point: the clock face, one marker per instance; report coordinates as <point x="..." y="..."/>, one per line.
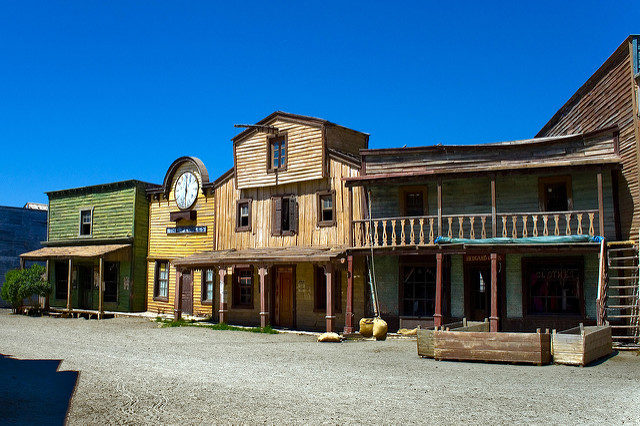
<point x="186" y="190"/>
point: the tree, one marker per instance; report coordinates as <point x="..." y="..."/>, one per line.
<point x="21" y="284"/>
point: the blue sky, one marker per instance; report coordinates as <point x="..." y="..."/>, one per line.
<point x="94" y="92"/>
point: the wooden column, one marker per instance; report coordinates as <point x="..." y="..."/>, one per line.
<point x="494" y="228"/>
<point x="101" y="288"/>
<point x="21" y="263"/>
<point x="328" y="273"/>
<point x="264" y="312"/>
<point x="350" y="216"/>
<point x="348" y="316"/>
<point x="600" y="205"/>
<point x="440" y="233"/>
<point x="69" y="285"/>
<point x="46" y="298"/>
<point x="222" y="271"/>
<point x="493" y="320"/>
<point x="437" y="315"/>
<point x="177" y="304"/>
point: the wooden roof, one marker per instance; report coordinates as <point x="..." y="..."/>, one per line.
<point x="65" y="252"/>
<point x="102" y="186"/>
<point x="264" y="255"/>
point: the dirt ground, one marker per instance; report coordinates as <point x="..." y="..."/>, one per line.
<point x="131" y="371"/>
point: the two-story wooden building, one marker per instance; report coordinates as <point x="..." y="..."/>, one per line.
<point x="503" y="231"/>
<point x="282" y="229"/>
<point x="97" y="234"/>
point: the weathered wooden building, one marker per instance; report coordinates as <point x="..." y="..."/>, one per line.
<point x="97" y="234"/>
<point x="282" y="218"/>
<point x="21" y="229"/>
<point x="498" y="231"/>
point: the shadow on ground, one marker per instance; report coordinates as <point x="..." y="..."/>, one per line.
<point x="34" y="391"/>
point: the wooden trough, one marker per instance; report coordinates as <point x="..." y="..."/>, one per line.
<point x="581" y="345"/>
<point x="426" y="336"/>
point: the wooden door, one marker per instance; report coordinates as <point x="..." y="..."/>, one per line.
<point x="85" y="286"/>
<point x="187" y="292"/>
<point x="284" y="296"/>
<point x="477" y="279"/>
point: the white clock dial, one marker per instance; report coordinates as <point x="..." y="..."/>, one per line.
<point x="186" y="190"/>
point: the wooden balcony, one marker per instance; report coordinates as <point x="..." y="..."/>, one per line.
<point x="423" y="230"/>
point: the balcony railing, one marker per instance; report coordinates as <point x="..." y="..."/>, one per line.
<point x="423" y="230"/>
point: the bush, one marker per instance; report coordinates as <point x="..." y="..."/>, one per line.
<point x="23" y="283"/>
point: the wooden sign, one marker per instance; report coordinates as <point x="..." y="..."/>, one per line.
<point x="483" y="257"/>
<point x="187" y="230"/>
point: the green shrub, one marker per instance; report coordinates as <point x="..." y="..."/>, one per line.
<point x="21" y="284"/>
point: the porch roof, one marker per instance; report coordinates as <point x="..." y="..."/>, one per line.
<point x="261" y="255"/>
<point x="64" y="252"/>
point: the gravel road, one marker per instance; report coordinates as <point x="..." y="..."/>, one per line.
<point x="132" y="372"/>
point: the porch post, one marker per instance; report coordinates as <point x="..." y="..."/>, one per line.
<point x="437" y="316"/>
<point x="350" y="216"/>
<point x="493" y="320"/>
<point x="46" y="298"/>
<point x="177" y="305"/>
<point x="69" y="286"/>
<point x="264" y="313"/>
<point x="328" y="272"/>
<point x="21" y="263"/>
<point x="348" y="316"/>
<point x="494" y="228"/>
<point x="440" y="233"/>
<point x="222" y="271"/>
<point x="600" y="205"/>
<point x="101" y="288"/>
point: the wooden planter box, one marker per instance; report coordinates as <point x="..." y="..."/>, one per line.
<point x="581" y="345"/>
<point x="426" y="337"/>
<point x="531" y="348"/>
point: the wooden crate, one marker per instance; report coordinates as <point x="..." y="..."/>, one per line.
<point x="532" y="348"/>
<point x="581" y="345"/>
<point x="425" y="337"/>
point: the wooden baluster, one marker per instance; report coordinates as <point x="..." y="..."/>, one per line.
<point x="449" y="233"/>
<point x="556" y="229"/>
<point x="421" y="221"/>
<point x="535" y="225"/>
<point x="358" y="234"/>
<point x="524" y="226"/>
<point x="483" y="233"/>
<point x="472" y="232"/>
<point x="375" y="234"/>
<point x="460" y="227"/>
<point x="384" y="233"/>
<point x="393" y="232"/>
<point x="579" y="217"/>
<point x="545" y="219"/>
<point x="514" y="224"/>
<point x="402" y="234"/>
<point x="431" y="241"/>
<point x="567" y="217"/>
<point x="592" y="232"/>
<point x="367" y="233"/>
<point x="504" y="227"/>
<point x="412" y="234"/>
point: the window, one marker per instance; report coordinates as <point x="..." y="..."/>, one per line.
<point x="62" y="277"/>
<point x="111" y="273"/>
<point x="277" y="153"/>
<point x="243" y="215"/>
<point x="207" y="285"/>
<point x="554" y="286"/>
<point x="161" y="288"/>
<point x="326" y="208"/>
<point x="85" y="222"/>
<point x="320" y="290"/>
<point x="413" y="201"/>
<point x="555" y="193"/>
<point x="284" y="215"/>
<point x="243" y="288"/>
<point x="418" y="290"/>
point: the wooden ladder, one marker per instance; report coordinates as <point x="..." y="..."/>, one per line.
<point x="621" y="295"/>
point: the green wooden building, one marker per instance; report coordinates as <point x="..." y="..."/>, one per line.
<point x="97" y="234"/>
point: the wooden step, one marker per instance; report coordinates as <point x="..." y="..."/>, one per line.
<point x="621" y="306"/>
<point x="625" y="326"/>
<point x="621" y="249"/>
<point x="623" y="258"/>
<point x="625" y="337"/>
<point x="624" y="267"/>
<point x="622" y="296"/>
<point x="621" y="316"/>
<point x="622" y="278"/>
<point x="616" y="287"/>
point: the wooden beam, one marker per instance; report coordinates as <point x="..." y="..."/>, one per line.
<point x="264" y="312"/>
<point x="101" y="288"/>
<point x="493" y="319"/>
<point x="494" y="218"/>
<point x="348" y="316"/>
<point x="69" y="285"/>
<point x="600" y="204"/>
<point x="439" y="207"/>
<point x="437" y="316"/>
<point x="222" y="271"/>
<point x="328" y="273"/>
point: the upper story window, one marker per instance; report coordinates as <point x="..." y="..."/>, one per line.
<point x="284" y="215"/>
<point x="86" y="221"/>
<point x="277" y="153"/>
<point x="161" y="285"/>
<point x="555" y="193"/>
<point x="243" y="215"/>
<point x="326" y="208"/>
<point x="413" y="201"/>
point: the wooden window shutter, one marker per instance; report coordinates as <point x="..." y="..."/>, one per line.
<point x="293" y="214"/>
<point x="276" y="225"/>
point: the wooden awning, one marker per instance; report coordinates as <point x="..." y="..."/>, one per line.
<point x="266" y="255"/>
<point x="65" y="252"/>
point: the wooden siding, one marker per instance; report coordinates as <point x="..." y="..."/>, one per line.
<point x="604" y="101"/>
<point x="309" y="234"/>
<point x="163" y="246"/>
<point x="305" y="156"/>
<point x="140" y="246"/>
<point x="346" y="140"/>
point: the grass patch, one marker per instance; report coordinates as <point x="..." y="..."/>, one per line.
<point x="193" y="323"/>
